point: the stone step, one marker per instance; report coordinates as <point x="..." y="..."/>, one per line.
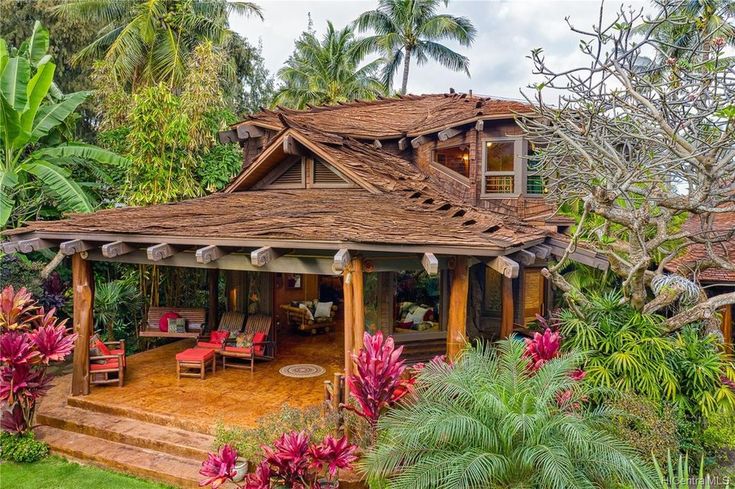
<point x="166" y="439"/>
<point x="133" y="460"/>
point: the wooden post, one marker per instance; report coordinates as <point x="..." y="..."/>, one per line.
<point x="358" y="303"/>
<point x="457" y="319"/>
<point x="213" y="312"/>
<point x="506" y="321"/>
<point x="727" y="327"/>
<point x="349" y="320"/>
<point x="82" y="282"/>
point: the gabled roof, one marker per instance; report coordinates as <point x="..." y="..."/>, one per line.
<point x="690" y="263"/>
<point x="394" y="117"/>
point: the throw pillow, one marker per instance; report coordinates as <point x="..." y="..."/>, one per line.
<point x="323" y="310"/>
<point x="244" y="340"/>
<point x="219" y="336"/>
<point x="102" y="347"/>
<point x="163" y="322"/>
<point x="309" y="315"/>
<point x="417" y="315"/>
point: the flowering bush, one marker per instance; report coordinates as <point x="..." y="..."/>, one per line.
<point x="293" y="462"/>
<point x="30" y="340"/>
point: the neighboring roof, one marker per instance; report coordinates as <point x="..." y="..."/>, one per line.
<point x="395" y="117"/>
<point x="690" y="263"/>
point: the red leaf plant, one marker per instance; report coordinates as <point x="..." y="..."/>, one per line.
<point x="378" y="382"/>
<point x="542" y="348"/>
<point x="30" y="340"/>
<point x="293" y="462"/>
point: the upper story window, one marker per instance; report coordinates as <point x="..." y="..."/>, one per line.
<point x="507" y="172"/>
<point x="456" y="158"/>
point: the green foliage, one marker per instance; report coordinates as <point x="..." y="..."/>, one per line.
<point x="17" y="270"/>
<point x="21" y="448"/>
<point x="630" y="351"/>
<point x="36" y="158"/>
<point x="412" y="29"/>
<point x="326" y="71"/>
<point x="678" y="476"/>
<point x="719" y="435"/>
<point x="648" y="427"/>
<point x="117" y="306"/>
<point x="218" y="165"/>
<point x="248" y="441"/>
<point x="486" y="421"/>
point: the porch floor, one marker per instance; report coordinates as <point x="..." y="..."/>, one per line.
<point x="235" y="397"/>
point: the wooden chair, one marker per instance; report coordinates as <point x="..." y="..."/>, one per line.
<point x="229" y="324"/>
<point x="262" y="348"/>
<point x="195" y="318"/>
<point x="102" y="366"/>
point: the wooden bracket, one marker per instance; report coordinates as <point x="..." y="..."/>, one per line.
<point x="116" y="248"/>
<point x="430" y="263"/>
<point x="247" y="131"/>
<point x="504" y="266"/>
<point x="34" y="244"/>
<point x="229" y="136"/>
<point x="479" y="125"/>
<point x="448" y="133"/>
<point x="9" y="247"/>
<point x="264" y="255"/>
<point x="542" y="252"/>
<point x="403" y="144"/>
<point x="68" y="248"/>
<point x="160" y="252"/>
<point x="525" y="257"/>
<point x="416" y="142"/>
<point x="377" y="144"/>
<point x="209" y="254"/>
<point x="342" y="259"/>
<point x="291" y="146"/>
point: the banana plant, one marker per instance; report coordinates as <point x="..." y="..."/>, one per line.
<point x="32" y="111"/>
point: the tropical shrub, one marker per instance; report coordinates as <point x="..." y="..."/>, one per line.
<point x="116" y="304"/>
<point x="30" y="340"/>
<point x="490" y="420"/>
<point x="248" y="442"/>
<point x="36" y="161"/>
<point x="293" y="461"/>
<point x="678" y="475"/>
<point x="21" y="448"/>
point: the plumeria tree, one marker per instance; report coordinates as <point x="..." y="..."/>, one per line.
<point x="31" y="339"/>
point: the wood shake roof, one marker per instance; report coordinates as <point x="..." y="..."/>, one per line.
<point x="690" y="263"/>
<point x="388" y="118"/>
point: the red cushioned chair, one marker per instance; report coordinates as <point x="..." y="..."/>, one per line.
<point x="262" y="349"/>
<point x="229" y="325"/>
<point x="109" y="367"/>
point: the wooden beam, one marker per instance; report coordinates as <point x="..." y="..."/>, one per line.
<point x="9" y="247"/>
<point x="341" y="259"/>
<point x="68" y="248"/>
<point x="263" y="256"/>
<point x="403" y="144"/>
<point x="506" y="319"/>
<point x="213" y="298"/>
<point x="349" y="324"/>
<point x="525" y="257"/>
<point x="358" y="302"/>
<point x="457" y="318"/>
<point x="247" y="131"/>
<point x="82" y="281"/>
<point x="542" y="252"/>
<point x="448" y="133"/>
<point x="160" y="252"/>
<point x="33" y="244"/>
<point x="585" y="257"/>
<point x="226" y="137"/>
<point x="117" y="248"/>
<point x="209" y="254"/>
<point x="377" y="144"/>
<point x="418" y="141"/>
<point x="479" y="125"/>
<point x="430" y="263"/>
<point x="504" y="266"/>
<point x="291" y="146"/>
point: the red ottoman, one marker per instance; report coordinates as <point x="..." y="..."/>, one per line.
<point x="194" y="359"/>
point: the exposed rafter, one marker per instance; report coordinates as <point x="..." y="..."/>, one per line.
<point x="542" y="252"/>
<point x="291" y="146"/>
<point x="263" y="256"/>
<point x="479" y="125"/>
<point x="33" y="244"/>
<point x="341" y="259"/>
<point x="160" y="252"/>
<point x="430" y="263"/>
<point x="209" y="254"/>
<point x="403" y="144"/>
<point x="504" y="266"/>
<point x="117" y="248"/>
<point x="448" y="133"/>
<point x="9" y="247"/>
<point x="68" y="248"/>
<point x="418" y="141"/>
<point x="247" y="131"/>
<point x="525" y="257"/>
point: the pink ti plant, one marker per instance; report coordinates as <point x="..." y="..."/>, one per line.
<point x="30" y="340"/>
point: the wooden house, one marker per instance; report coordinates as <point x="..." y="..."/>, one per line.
<point x="421" y="216"/>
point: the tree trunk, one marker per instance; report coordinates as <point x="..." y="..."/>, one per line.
<point x="406" y="65"/>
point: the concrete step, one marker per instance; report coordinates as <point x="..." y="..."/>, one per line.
<point x="140" y="462"/>
<point x="166" y="439"/>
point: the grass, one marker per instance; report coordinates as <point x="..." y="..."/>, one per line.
<point x="57" y="473"/>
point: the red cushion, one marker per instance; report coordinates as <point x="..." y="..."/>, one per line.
<point x="238" y="349"/>
<point x="163" y="322"/>
<point x="119" y="351"/>
<point x="259" y="338"/>
<point x="219" y="336"/>
<point x="110" y="364"/>
<point x="209" y="344"/>
<point x="195" y="354"/>
<point x="102" y="347"/>
<point x="429" y="316"/>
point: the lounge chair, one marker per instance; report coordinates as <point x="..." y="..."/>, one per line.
<point x="229" y="325"/>
<point x="261" y="349"/>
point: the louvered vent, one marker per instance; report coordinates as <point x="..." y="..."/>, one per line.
<point x="324" y="174"/>
<point x="292" y="176"/>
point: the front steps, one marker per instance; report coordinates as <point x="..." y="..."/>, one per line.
<point x="166" y="454"/>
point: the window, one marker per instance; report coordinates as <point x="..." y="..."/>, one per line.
<point x="533" y="294"/>
<point x="499" y="166"/>
<point x="417" y="302"/>
<point x="456" y="158"/>
<point x="534" y="180"/>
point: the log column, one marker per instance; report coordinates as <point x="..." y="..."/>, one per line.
<point x="82" y="283"/>
<point x="457" y="318"/>
<point x="727" y="327"/>
<point x="506" y="321"/>
<point x="358" y="303"/>
<point x="349" y="319"/>
<point x="213" y="285"/>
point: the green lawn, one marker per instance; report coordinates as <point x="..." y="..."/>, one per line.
<point x="57" y="473"/>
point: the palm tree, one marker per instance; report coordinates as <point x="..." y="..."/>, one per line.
<point x="149" y="41"/>
<point x="327" y="71"/>
<point x="486" y="421"/>
<point x="405" y="29"/>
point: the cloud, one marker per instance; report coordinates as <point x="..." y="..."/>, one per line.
<point x="507" y="31"/>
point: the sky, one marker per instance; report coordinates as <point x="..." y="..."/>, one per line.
<point x="507" y="31"/>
